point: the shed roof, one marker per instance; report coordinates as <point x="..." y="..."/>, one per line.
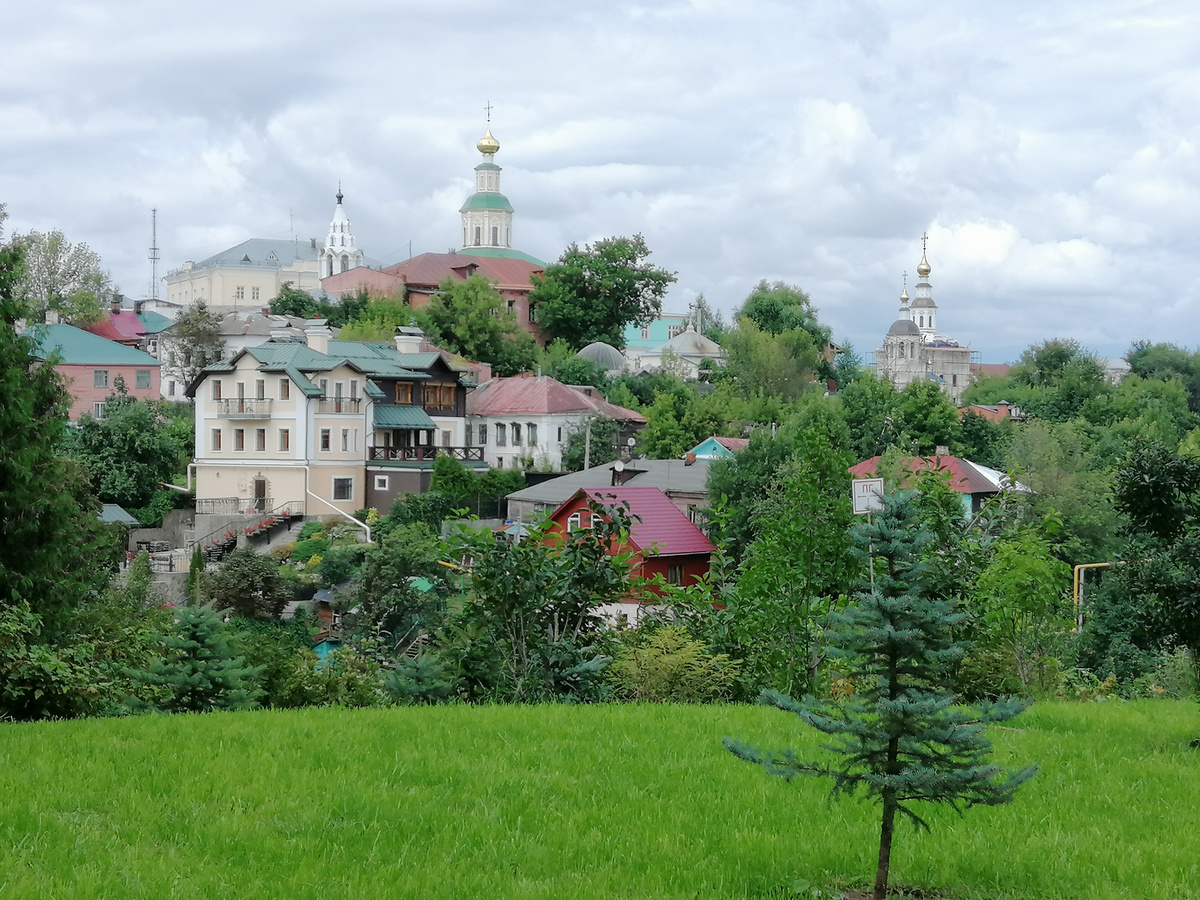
<point x="673" y="476"/>
<point x="395" y="416"/>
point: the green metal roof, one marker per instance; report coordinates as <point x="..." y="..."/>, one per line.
<point x="81" y="348"/>
<point x="503" y="253"/>
<point x="402" y="417"/>
<point x="487" y="200"/>
<point x="112" y="514"/>
<point x="154" y="322"/>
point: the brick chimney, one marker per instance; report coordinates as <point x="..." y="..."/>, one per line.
<point x="317" y="334"/>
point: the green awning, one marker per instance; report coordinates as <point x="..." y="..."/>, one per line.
<point x="401" y="417"/>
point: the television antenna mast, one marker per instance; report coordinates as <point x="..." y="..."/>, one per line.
<point x="154" y="253"/>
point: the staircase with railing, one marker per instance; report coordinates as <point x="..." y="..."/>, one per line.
<point x="220" y="542"/>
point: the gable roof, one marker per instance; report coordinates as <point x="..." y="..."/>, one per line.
<point x="658" y="527"/>
<point x="540" y="395"/>
<point x="78" y="347"/>
<point x="673" y="476"/>
<point x="966" y="477"/>
<point x="429" y="269"/>
<point x="261" y="252"/>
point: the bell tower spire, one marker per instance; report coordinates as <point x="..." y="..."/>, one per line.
<point x="340" y="253"/>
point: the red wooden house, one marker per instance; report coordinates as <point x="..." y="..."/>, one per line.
<point x="662" y="539"/>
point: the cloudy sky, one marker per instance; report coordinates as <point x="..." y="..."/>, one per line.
<point x="1048" y="148"/>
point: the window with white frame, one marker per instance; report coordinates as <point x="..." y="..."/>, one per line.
<point x="98" y="409"/>
<point x="285" y="389"/>
<point x="254" y="293"/>
<point x="580" y="520"/>
<point x="260" y="439"/>
<point x="142" y="378"/>
<point x="501" y="435"/>
<point x="381" y="482"/>
<point x="285" y="440"/>
<point x="531" y="433"/>
<point x="445" y="439"/>
<point x="260" y="389"/>
<point x="215" y="442"/>
<point x="239" y="439"/>
<point x="326" y="440"/>
<point x="99" y="377"/>
<point x="343" y="489"/>
<point x="239" y="293"/>
<point x="516" y="434"/>
<point x="216" y="389"/>
<point x="171" y="388"/>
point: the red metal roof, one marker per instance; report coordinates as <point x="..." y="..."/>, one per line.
<point x="733" y="445"/>
<point x="123" y="327"/>
<point x="659" y="528"/>
<point x="429" y="269"/>
<point x="996" y="369"/>
<point x="541" y="395"/>
<point x="965" y="476"/>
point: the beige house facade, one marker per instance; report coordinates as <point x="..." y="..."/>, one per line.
<point x="247" y="276"/>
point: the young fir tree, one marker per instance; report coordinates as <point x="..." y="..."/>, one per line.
<point x="200" y="671"/>
<point x="901" y="735"/>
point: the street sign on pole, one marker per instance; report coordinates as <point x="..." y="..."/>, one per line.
<point x="867" y="494"/>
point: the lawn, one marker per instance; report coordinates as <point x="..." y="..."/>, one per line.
<point x="569" y="802"/>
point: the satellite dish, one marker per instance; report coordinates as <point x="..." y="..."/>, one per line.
<point x="630" y="442"/>
<point x="618" y="466"/>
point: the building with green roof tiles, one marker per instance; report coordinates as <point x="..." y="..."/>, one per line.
<point x="92" y="367"/>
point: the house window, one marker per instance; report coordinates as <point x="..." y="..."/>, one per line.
<point x="324" y="387"/>
<point x="501" y="435"/>
<point x="531" y="433"/>
<point x="674" y="331"/>
<point x="326" y="440"/>
<point x="445" y="439"/>
<point x="345" y="440"/>
<point x="171" y="388"/>
<point x="239" y="439"/>
<point x="260" y="389"/>
<point x="512" y="306"/>
<point x="216" y="439"/>
<point x="483" y="434"/>
<point x="260" y="439"/>
<point x="285" y="440"/>
<point x="467" y="435"/>
<point x="100" y="378"/>
<point x="403" y="392"/>
<point x="381" y="482"/>
<point x="239" y="293"/>
<point x="254" y="293"/>
<point x="285" y="389"/>
<point x="142" y="378"/>
<point x="645" y="332"/>
<point x="216" y="389"/>
<point x="353" y="388"/>
<point x="343" y="489"/>
<point x="98" y="409"/>
<point x="516" y="434"/>
<point x="560" y="434"/>
<point x="675" y="573"/>
<point x="532" y="312"/>
<point x="579" y="521"/>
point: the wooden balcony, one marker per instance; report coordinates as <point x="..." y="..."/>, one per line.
<point x="424" y="454"/>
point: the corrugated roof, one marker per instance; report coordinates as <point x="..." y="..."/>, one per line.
<point x="261" y="252"/>
<point x="153" y="322"/>
<point x="541" y="395"/>
<point x="392" y="416"/>
<point x="77" y="347"/>
<point x="658" y="527"/>
<point x="674" y="476"/>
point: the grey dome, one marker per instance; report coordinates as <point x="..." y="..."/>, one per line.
<point x="904" y="326"/>
<point x="606" y="356"/>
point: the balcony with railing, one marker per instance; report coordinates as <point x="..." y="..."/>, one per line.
<point x="244" y="408"/>
<point x="424" y="453"/>
<point x="339" y="405"/>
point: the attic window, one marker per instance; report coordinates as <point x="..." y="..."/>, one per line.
<point x="579" y="521"/>
<point x="246" y="258"/>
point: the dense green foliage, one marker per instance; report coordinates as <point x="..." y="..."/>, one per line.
<point x="591" y="294"/>
<point x="470" y="318"/>
<point x="294" y="302"/>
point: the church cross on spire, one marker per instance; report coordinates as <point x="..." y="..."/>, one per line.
<point x="924" y="241"/>
<point x="488" y="109"/>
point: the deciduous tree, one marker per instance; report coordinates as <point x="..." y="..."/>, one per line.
<point x="61" y="276"/>
<point x="470" y="318"/>
<point x="592" y="294"/>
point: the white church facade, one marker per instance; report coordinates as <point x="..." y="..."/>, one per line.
<point x="914" y="350"/>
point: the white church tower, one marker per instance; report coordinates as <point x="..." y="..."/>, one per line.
<point x="487" y="215"/>
<point x="340" y="252"/>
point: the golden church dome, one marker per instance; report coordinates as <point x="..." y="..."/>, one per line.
<point x="923" y="267"/>
<point x="488" y="144"/>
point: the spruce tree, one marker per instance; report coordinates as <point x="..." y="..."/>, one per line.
<point x="200" y="671"/>
<point x="902" y="736"/>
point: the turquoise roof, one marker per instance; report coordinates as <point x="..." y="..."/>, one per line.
<point x="112" y="514"/>
<point x="402" y="417"/>
<point x="154" y="322"/>
<point x="487" y="200"/>
<point x="503" y="253"/>
<point x="76" y="347"/>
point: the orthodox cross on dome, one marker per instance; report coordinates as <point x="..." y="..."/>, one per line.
<point x="488" y="109"/>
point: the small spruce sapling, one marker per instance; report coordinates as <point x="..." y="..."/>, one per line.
<point x="901" y="735"/>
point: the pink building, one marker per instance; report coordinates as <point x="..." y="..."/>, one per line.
<point x="92" y="367"/>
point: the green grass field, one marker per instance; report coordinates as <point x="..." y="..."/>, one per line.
<point x="568" y="802"/>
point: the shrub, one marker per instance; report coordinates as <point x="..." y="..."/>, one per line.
<point x="670" y="666"/>
<point x="420" y="680"/>
<point x="309" y="529"/>
<point x="308" y="548"/>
